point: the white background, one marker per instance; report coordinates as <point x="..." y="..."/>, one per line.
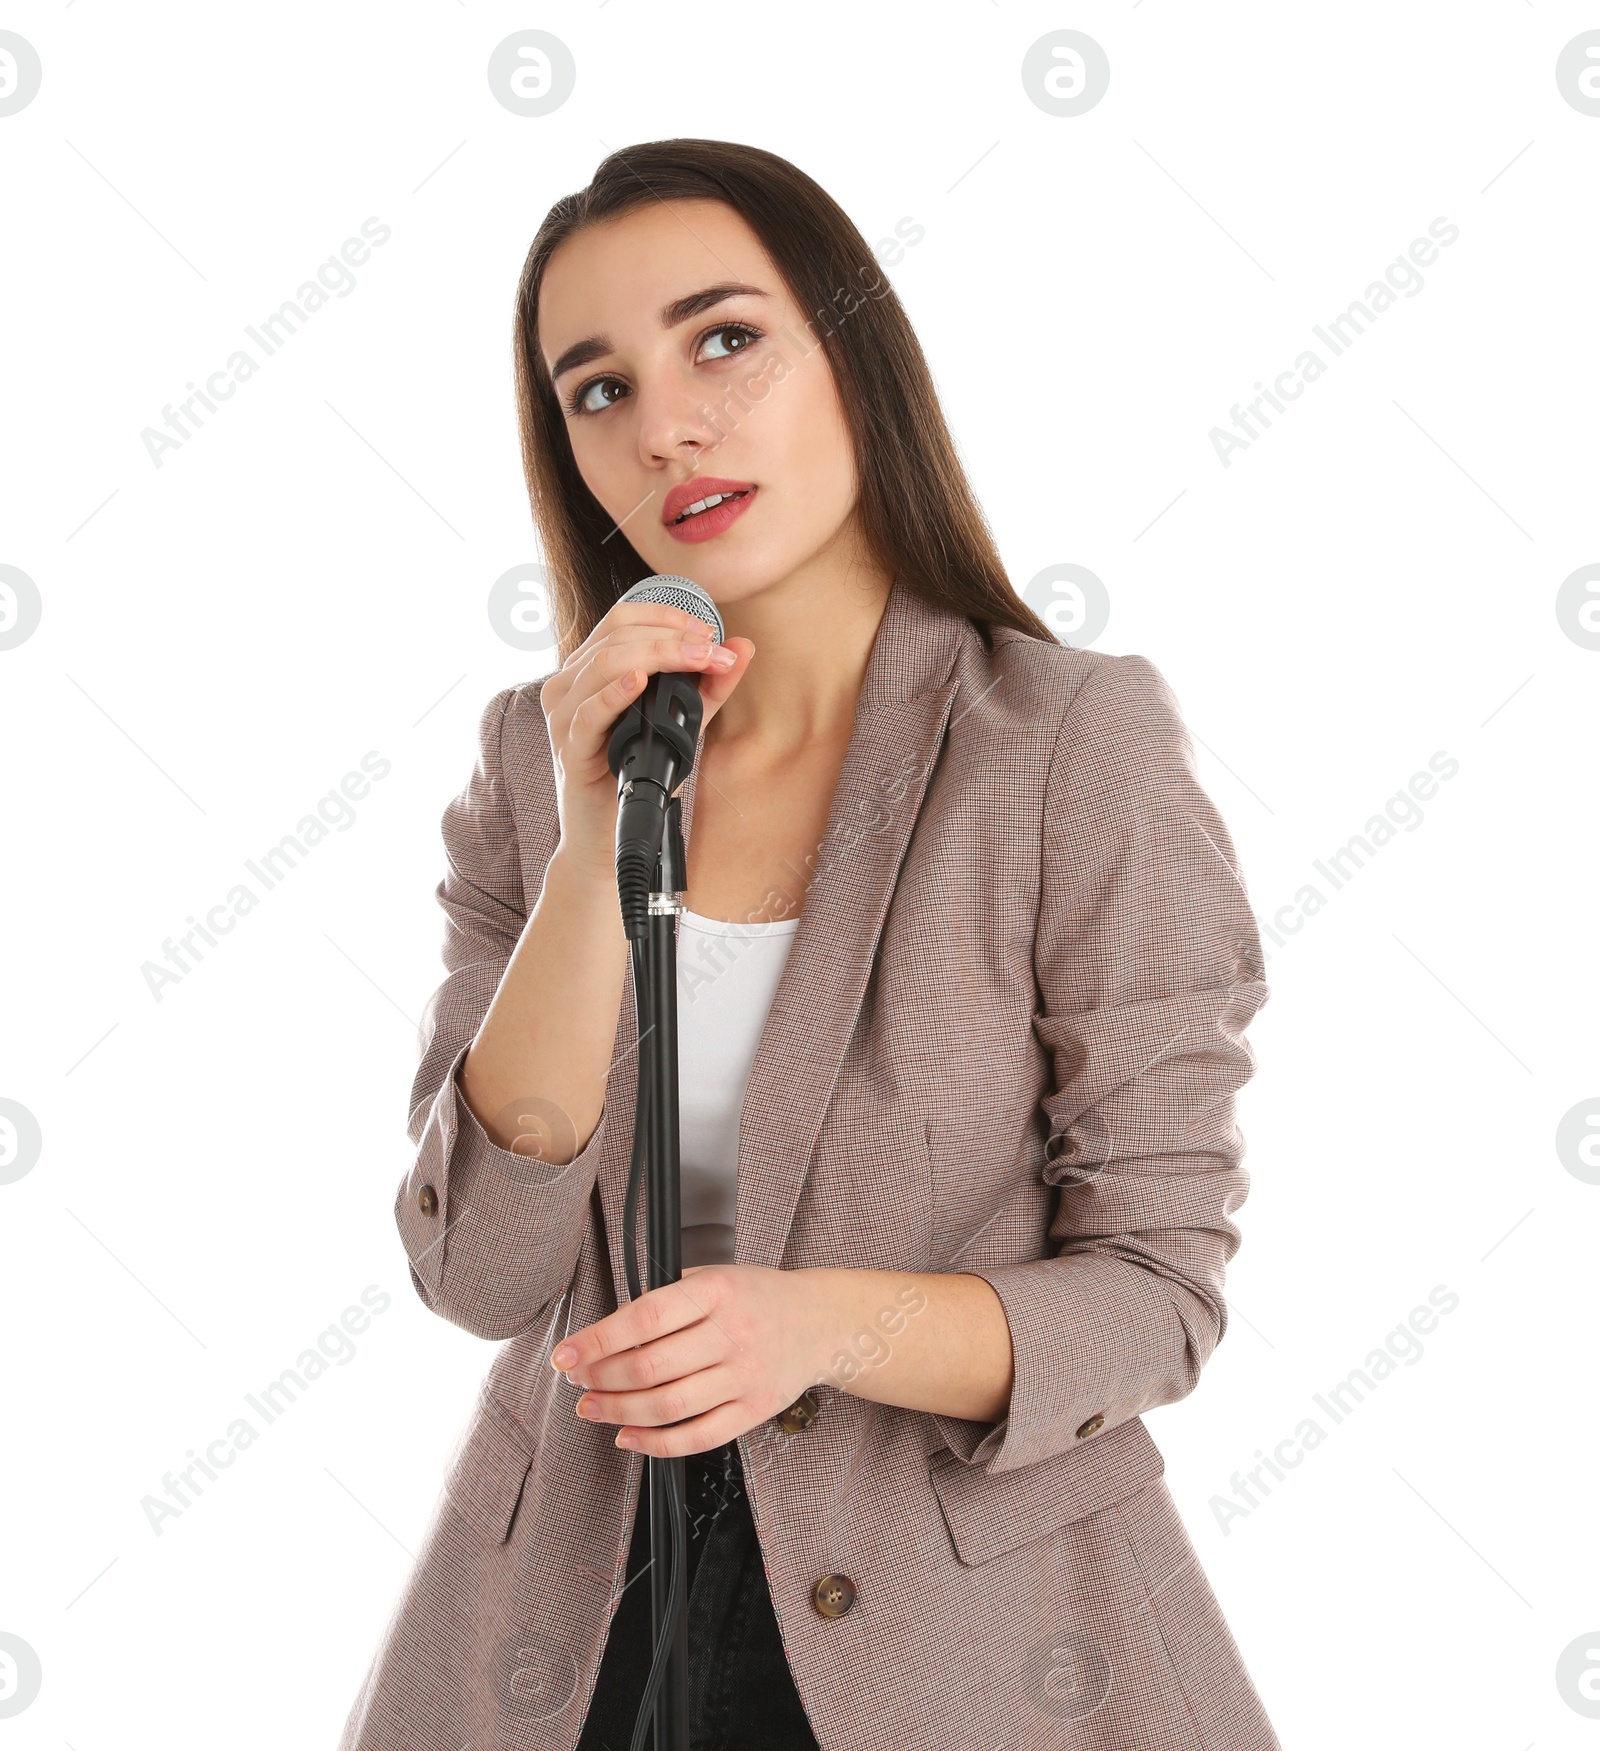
<point x="223" y="638"/>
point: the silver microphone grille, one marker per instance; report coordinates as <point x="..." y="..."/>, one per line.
<point x="677" y="593"/>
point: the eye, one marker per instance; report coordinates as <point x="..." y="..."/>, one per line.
<point x="745" y="336"/>
<point x="583" y="401"/>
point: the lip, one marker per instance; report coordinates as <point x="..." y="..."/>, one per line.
<point x="708" y="523"/>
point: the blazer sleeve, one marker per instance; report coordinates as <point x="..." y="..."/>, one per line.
<point x="1149" y="968"/>
<point x="493" y="1235"/>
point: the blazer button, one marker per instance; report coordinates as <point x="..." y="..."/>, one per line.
<point x="833" y="1595"/>
<point x="1093" y="1427"/>
<point x="428" y="1201"/>
<point x="801" y="1414"/>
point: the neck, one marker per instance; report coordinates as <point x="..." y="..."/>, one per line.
<point x="813" y="634"/>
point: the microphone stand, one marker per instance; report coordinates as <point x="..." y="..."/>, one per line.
<point x="664" y="1236"/>
<point x="651" y="749"/>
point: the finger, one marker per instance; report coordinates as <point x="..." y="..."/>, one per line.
<point x="597" y="689"/>
<point x="637" y="637"/>
<point x="671" y="1402"/>
<point x="674" y="1401"/>
<point x="680" y="1353"/>
<point x="588" y="723"/>
<point x="652" y="652"/>
<point x="717" y="684"/>
<point x="653" y="1315"/>
<point x="625" y="616"/>
<point x="590" y="708"/>
<point x="565" y="689"/>
<point x="699" y="1434"/>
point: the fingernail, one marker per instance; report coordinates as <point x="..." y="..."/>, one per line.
<point x="696" y="647"/>
<point x="723" y="658"/>
<point x="626" y="1440"/>
<point x="565" y="1356"/>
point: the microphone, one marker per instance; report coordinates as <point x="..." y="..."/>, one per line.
<point x="651" y="749"/>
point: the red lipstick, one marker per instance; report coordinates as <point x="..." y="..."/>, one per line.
<point x="683" y="524"/>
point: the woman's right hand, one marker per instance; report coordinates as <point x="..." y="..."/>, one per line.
<point x="596" y="684"/>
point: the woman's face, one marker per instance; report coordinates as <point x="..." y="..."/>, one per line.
<point x="685" y="368"/>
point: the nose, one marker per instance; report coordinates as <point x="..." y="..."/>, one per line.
<point x="675" y="422"/>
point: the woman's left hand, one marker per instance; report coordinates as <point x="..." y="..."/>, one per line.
<point x="718" y="1352"/>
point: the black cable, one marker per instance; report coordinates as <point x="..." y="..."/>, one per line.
<point x="630" y="1265"/>
<point x="641" y="1119"/>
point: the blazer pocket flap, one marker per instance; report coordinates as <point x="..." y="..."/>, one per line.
<point x="991" y="1513"/>
<point x="486" y="1474"/>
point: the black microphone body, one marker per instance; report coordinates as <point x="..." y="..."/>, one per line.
<point x="651" y="749"/>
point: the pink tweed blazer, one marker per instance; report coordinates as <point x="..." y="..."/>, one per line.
<point x="1007" y="1041"/>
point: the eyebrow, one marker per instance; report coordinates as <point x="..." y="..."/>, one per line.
<point x="596" y="346"/>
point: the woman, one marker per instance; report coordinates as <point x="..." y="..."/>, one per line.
<point x="981" y="1116"/>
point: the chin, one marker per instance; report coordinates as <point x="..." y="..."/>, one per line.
<point x="731" y="575"/>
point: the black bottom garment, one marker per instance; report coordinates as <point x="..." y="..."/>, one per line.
<point x="741" y="1692"/>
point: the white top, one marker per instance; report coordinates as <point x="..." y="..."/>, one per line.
<point x="727" y="975"/>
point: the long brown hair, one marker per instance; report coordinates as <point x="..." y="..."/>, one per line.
<point x="916" y="508"/>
